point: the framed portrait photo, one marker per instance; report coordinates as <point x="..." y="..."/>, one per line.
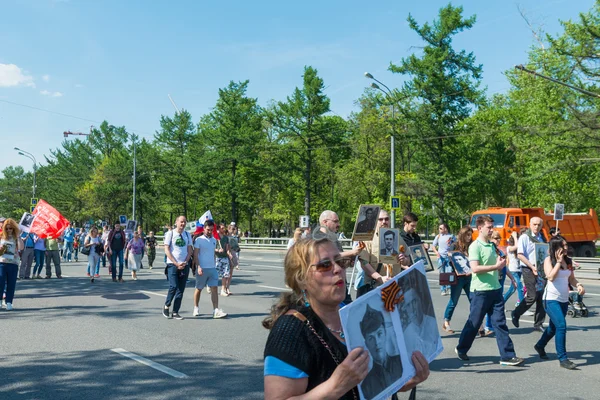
<point x="131" y="225"/>
<point x="540" y="254"/>
<point x="389" y="245"/>
<point x="26" y="222"/>
<point x="460" y="262"/>
<point x="366" y="223"/>
<point x="418" y="253"/>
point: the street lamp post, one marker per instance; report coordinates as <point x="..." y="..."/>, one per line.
<point x="32" y="158"/>
<point x="388" y="94"/>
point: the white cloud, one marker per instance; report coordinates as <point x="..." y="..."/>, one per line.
<point x="46" y="78"/>
<point x="11" y="75"/>
<point x="51" y="94"/>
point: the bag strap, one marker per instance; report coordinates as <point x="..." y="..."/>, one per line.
<point x="302" y="318"/>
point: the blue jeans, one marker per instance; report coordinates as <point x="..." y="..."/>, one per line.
<point x="68" y="250"/>
<point x="177" y="279"/>
<point x="8" y="278"/>
<point x="113" y="260"/>
<point x="462" y="284"/>
<point x="558" y="326"/>
<point x="519" y="288"/>
<point x="483" y="302"/>
<point x="501" y="279"/>
<point x="39" y="256"/>
<point x="96" y="270"/>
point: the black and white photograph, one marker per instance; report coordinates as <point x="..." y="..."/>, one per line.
<point x="416" y="314"/>
<point x="540" y="254"/>
<point x="418" y="253"/>
<point x="366" y="222"/>
<point x="123" y="219"/>
<point x="559" y="211"/>
<point x="26" y="222"/>
<point x="388" y="245"/>
<point x="460" y="263"/>
<point x="367" y="324"/>
<point x="131" y="225"/>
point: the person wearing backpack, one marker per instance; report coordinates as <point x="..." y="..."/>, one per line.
<point x="526" y="255"/>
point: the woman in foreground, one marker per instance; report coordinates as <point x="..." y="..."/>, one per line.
<point x="305" y="354"/>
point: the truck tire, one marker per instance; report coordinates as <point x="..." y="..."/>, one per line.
<point x="586" y="250"/>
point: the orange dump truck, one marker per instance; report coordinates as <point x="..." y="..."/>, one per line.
<point x="581" y="230"/>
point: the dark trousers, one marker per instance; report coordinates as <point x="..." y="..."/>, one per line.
<point x="533" y="297"/>
<point x="8" y="280"/>
<point x="483" y="302"/>
<point x="113" y="261"/>
<point x="53" y="256"/>
<point x="177" y="279"/>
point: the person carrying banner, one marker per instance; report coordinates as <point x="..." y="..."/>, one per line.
<point x="53" y="255"/>
<point x="10" y="246"/>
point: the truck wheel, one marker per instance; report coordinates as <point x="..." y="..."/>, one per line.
<point x="586" y="250"/>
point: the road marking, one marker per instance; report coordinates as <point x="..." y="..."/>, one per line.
<point x="150" y="363"/>
<point x="154" y="293"/>
<point x="245" y="270"/>
<point x="591" y="294"/>
<point x="274" y="287"/>
<point x="545" y="325"/>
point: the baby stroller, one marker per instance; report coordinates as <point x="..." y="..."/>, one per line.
<point x="576" y="306"/>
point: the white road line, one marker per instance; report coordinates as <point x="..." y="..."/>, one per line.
<point x="545" y="325"/>
<point x="274" y="287"/>
<point x="154" y="293"/>
<point x="244" y="270"/>
<point x="150" y="363"/>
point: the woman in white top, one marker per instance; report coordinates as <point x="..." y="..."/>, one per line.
<point x="297" y="236"/>
<point x="514" y="267"/>
<point x="558" y="268"/>
<point x="10" y="246"/>
<point x="92" y="241"/>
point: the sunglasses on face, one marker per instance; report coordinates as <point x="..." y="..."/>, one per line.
<point x="327" y="264"/>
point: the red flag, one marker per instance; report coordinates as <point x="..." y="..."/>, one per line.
<point x="48" y="221"/>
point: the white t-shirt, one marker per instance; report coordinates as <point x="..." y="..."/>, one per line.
<point x="206" y="251"/>
<point x="178" y="244"/>
<point x="559" y="288"/>
<point x="94" y="241"/>
<point x="513" y="263"/>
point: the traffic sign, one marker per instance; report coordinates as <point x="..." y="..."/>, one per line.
<point x="34" y="201"/>
<point x="31" y="208"/>
<point x="304" y="221"/>
<point x="395" y="202"/>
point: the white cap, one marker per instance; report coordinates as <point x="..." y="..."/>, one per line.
<point x="233" y="223"/>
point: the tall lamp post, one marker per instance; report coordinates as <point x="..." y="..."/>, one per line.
<point x="32" y="158"/>
<point x="388" y="94"/>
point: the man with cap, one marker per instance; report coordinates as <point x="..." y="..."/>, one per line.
<point x="386" y="369"/>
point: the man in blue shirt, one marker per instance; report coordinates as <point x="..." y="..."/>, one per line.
<point x="69" y="237"/>
<point x="28" y="254"/>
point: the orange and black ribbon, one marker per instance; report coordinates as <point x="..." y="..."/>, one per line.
<point x="391" y="295"/>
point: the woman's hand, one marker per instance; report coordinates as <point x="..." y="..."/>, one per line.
<point x="421" y="371"/>
<point x="351" y="371"/>
<point x="560" y="255"/>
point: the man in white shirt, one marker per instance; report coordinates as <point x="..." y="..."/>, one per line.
<point x="207" y="275"/>
<point x="179" y="250"/>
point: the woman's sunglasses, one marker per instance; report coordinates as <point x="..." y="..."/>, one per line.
<point x="327" y="264"/>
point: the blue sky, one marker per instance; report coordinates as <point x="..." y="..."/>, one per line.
<point x="118" y="59"/>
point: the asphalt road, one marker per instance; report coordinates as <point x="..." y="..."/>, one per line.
<point x="69" y="339"/>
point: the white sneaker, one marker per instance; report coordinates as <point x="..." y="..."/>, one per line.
<point x="9" y="307"/>
<point x="3" y="303"/>
<point x="196" y="312"/>
<point x="208" y="290"/>
<point x="218" y="313"/>
<point x="224" y="293"/>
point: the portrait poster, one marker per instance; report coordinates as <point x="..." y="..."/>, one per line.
<point x="26" y="222"/>
<point x="559" y="211"/>
<point x="131" y="225"/>
<point x="540" y="253"/>
<point x="123" y="220"/>
<point x="389" y="245"/>
<point x="417" y="317"/>
<point x="460" y="262"/>
<point x="366" y="223"/>
<point x="418" y="253"/>
<point x="367" y="323"/>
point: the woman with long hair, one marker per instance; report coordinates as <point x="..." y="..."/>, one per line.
<point x="558" y="268"/>
<point x="306" y="352"/>
<point x="10" y="246"/>
<point x="514" y="266"/>
<point x="463" y="283"/>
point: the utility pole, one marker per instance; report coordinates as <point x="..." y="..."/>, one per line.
<point x="134" y="176"/>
